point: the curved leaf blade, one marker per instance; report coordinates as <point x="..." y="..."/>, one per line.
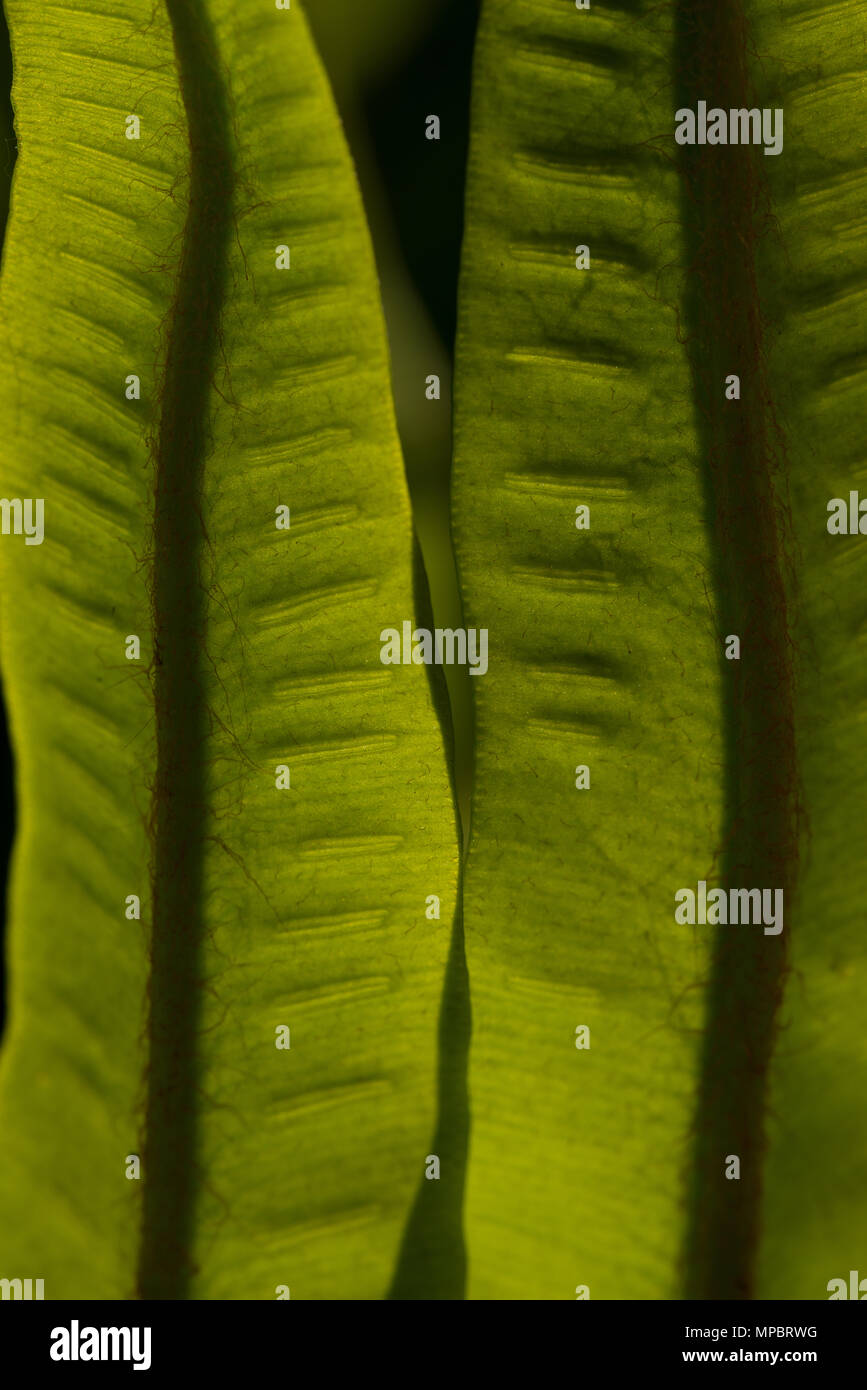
<point x="81" y="306"/>
<point x="312" y="904"/>
<point x="812" y="62"/>
<point x="572" y="389"/>
<point x="603" y="387"/>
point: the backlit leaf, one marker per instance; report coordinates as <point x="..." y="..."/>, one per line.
<point x="602" y="385"/>
<point x="301" y="906"/>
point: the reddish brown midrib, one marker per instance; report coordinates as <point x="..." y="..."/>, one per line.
<point x="725" y="201"/>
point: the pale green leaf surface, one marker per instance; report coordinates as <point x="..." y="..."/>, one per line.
<point x="572" y="388"/>
<point x="813" y="63"/>
<point x="82" y="296"/>
<point x="314" y="897"/>
<point x="348" y="956"/>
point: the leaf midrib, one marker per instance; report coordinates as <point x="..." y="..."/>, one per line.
<point x="177" y="815"/>
<point x="726" y="206"/>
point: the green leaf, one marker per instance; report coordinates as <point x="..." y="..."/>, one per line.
<point x="814" y="284"/>
<point x="7" y="135"/>
<point x="605" y="1166"/>
<point x="261" y="908"/>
